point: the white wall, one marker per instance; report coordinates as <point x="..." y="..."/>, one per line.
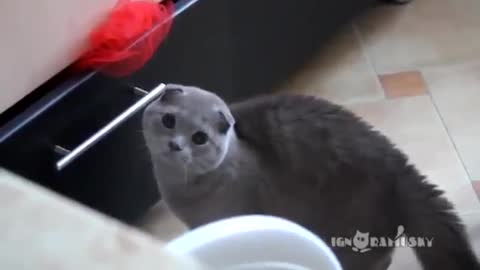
<point x="38" y="38"/>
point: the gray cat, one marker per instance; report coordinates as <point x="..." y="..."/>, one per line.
<point x="300" y="158"/>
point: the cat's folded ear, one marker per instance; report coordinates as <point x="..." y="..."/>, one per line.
<point x="171" y="90"/>
<point x="226" y="121"/>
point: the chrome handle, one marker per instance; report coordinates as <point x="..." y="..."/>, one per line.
<point x="75" y="153"/>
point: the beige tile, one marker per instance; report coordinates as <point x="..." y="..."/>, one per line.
<point x="423" y="33"/>
<point x="340" y="73"/>
<point x="403" y="84"/>
<point x="162" y="224"/>
<point x="456" y="93"/>
<point x="413" y="125"/>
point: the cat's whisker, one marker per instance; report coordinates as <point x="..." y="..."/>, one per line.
<point x="185" y="173"/>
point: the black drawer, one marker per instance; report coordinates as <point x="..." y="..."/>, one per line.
<point x="114" y="176"/>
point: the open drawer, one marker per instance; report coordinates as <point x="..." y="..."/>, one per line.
<point x="113" y="176"/>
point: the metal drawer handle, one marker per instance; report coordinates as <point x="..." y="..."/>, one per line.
<point x="75" y="153"/>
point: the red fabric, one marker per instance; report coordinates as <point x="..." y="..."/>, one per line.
<point x="128" y="37"/>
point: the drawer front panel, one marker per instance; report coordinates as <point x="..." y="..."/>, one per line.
<point x="114" y="176"/>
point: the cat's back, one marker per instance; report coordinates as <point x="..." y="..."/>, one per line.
<point x="319" y="153"/>
<point x="304" y="131"/>
<point x="293" y="116"/>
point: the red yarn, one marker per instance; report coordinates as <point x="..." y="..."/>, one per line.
<point x="128" y="37"/>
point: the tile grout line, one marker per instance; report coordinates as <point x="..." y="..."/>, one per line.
<point x="445" y="128"/>
<point x="366" y="56"/>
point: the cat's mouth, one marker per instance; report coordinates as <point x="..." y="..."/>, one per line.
<point x="184" y="159"/>
<point x="174" y="158"/>
<point x="163" y="153"/>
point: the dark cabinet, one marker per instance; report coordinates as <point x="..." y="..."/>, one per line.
<point x="198" y="51"/>
<point x="114" y="176"/>
<point x="234" y="48"/>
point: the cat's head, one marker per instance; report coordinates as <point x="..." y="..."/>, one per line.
<point x="361" y="240"/>
<point x="188" y="128"/>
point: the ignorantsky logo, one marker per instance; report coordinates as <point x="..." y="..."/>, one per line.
<point x="363" y="242"/>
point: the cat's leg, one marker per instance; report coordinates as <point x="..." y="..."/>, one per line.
<point x="384" y="263"/>
<point x="377" y="259"/>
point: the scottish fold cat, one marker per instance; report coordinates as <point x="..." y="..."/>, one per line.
<point x="300" y="158"/>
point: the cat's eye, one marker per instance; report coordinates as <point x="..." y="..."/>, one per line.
<point x="168" y="121"/>
<point x="199" y="138"/>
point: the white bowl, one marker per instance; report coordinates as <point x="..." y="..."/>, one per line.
<point x="255" y="242"/>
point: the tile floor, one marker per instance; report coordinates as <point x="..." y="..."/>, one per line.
<point x="414" y="73"/>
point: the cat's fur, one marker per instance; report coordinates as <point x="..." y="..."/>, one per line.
<point x="304" y="159"/>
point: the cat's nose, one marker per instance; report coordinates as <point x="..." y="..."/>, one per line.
<point x="174" y="146"/>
